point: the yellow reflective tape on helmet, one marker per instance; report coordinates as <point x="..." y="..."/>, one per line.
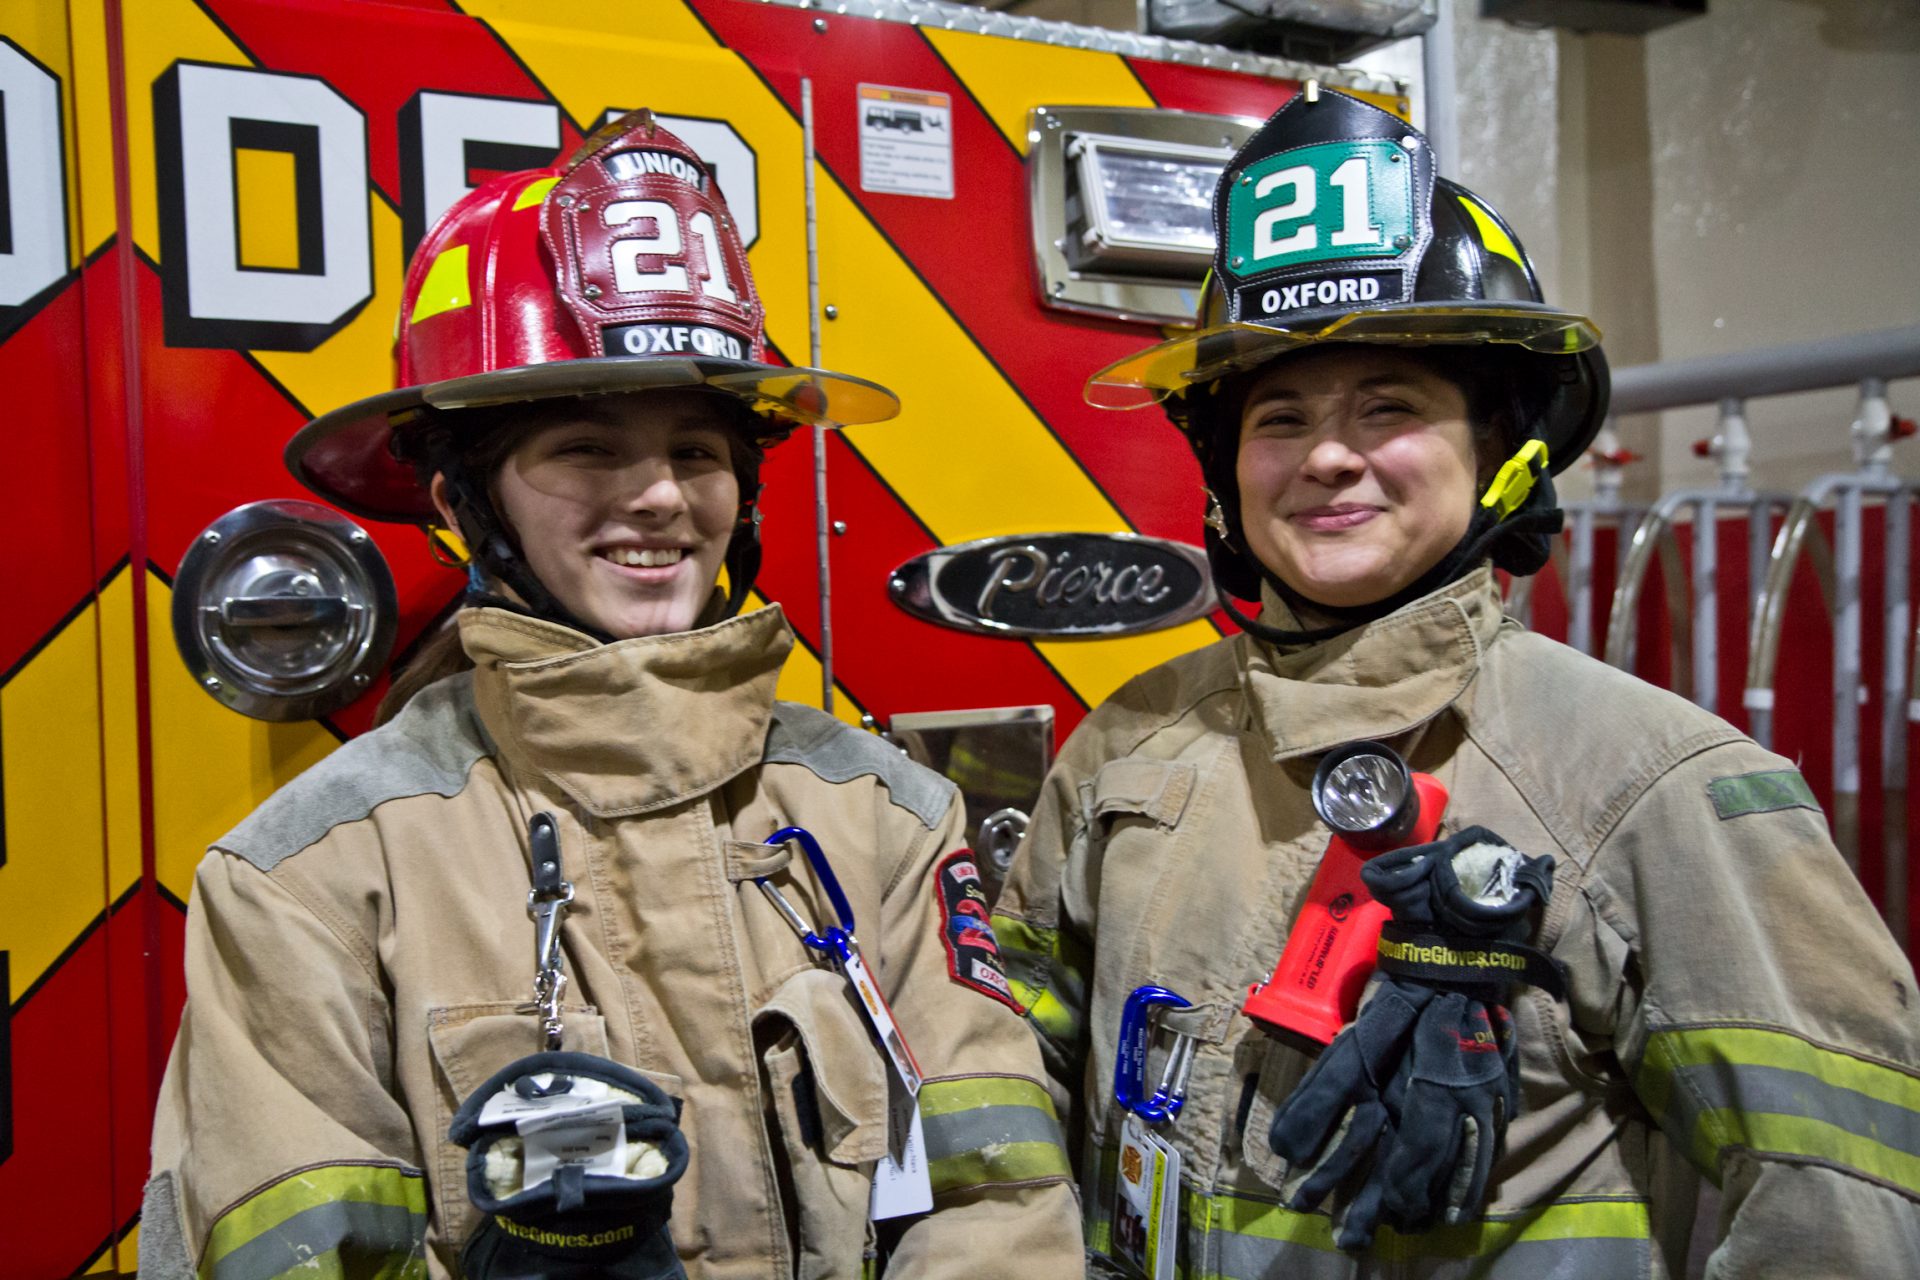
<point x="381" y="1210"/>
<point x="533" y="193"/>
<point x="1492" y="235"/>
<point x="448" y="547"/>
<point x="445" y="288"/>
<point x="1516" y="479"/>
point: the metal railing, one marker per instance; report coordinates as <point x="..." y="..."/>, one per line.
<point x="1693" y="603"/>
<point x="1868" y="360"/>
<point x="1574" y="558"/>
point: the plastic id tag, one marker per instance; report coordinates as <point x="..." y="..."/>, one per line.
<point x="595" y="1138"/>
<point x="1146" y="1206"/>
<point x="902" y="1183"/>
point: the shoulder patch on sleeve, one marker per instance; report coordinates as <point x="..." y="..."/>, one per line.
<point x="973" y="953"/>
<point x="1765" y="792"/>
<point x="837" y="752"/>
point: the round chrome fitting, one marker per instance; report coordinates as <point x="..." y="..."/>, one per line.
<point x="284" y="610"/>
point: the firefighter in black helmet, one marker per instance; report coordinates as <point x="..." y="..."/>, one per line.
<point x="1612" y="972"/>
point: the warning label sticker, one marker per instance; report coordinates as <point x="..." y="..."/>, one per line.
<point x="906" y="141"/>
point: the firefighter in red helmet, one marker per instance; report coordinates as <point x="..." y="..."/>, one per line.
<point x="556" y="973"/>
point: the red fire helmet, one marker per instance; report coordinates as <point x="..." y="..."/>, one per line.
<point x="620" y="270"/>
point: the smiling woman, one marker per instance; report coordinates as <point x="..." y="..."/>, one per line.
<point x="1555" y="1043"/>
<point x="585" y="399"/>
<point x="1357" y="472"/>
<point x="623" y="505"/>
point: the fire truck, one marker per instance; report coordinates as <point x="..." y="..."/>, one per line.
<point x="208" y="208"/>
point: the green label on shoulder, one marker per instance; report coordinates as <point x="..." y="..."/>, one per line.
<point x="1760" y="793"/>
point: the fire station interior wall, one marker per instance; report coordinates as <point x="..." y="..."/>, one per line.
<point x="1741" y="180"/>
<point x="1744" y="179"/>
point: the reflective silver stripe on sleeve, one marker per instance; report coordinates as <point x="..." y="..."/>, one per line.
<point x="296" y="1244"/>
<point x="1785" y="1092"/>
<point x="986" y="1126"/>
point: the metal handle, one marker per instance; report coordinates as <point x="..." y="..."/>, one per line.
<point x="1000" y="834"/>
<point x="284" y="611"/>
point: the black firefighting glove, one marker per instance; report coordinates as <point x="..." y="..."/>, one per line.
<point x="1462" y="911"/>
<point x="1346" y="1107"/>
<point x="598" y="1210"/>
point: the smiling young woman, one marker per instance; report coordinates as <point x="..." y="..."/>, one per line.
<point x="1357" y="472"/>
<point x="383" y="1058"/>
<point x="623" y="505"/>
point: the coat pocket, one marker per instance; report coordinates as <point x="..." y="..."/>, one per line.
<point x="1280" y="1071"/>
<point x="828" y="1083"/>
<point x="470" y="1042"/>
<point x="1157" y="790"/>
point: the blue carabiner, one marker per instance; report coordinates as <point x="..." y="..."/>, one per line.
<point x="838" y="940"/>
<point x="1130" y="1067"/>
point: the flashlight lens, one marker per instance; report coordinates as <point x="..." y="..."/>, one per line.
<point x="1362" y="792"/>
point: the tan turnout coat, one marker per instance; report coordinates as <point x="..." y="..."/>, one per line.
<point x="1737" y="1008"/>
<point x="358" y="952"/>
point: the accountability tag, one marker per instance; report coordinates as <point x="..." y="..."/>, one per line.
<point x="901" y="1181"/>
<point x="595" y="1138"/>
<point x="1146" y="1208"/>
<point x="507" y="1105"/>
<point x="1163" y="1240"/>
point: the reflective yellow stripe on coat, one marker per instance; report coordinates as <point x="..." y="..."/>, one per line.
<point x="982" y="1130"/>
<point x="1055" y="1003"/>
<point x="1241" y="1237"/>
<point x="375" y="1215"/>
<point x="1718" y="1088"/>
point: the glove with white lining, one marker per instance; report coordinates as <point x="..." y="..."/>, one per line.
<point x="1424" y="1080"/>
<point x="572" y="1158"/>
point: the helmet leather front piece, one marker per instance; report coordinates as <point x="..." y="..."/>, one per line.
<point x="650" y="261"/>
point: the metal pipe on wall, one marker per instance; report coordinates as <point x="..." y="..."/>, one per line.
<point x="821" y="523"/>
<point x="1768" y="371"/>
<point x="1441" y="90"/>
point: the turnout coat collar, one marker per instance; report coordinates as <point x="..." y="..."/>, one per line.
<point x="1377" y="681"/>
<point x="629" y="727"/>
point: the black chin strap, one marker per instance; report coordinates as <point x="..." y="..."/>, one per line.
<point x="496" y="555"/>
<point x="1521" y="544"/>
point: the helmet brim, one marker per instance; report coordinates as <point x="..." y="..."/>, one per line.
<point x="1194" y="359"/>
<point x="346" y="458"/>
